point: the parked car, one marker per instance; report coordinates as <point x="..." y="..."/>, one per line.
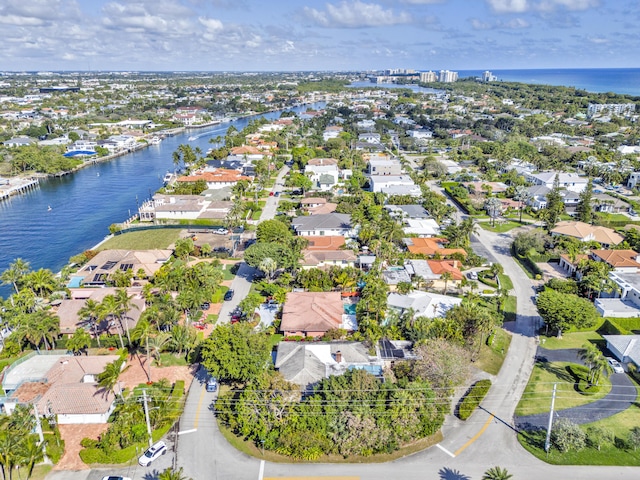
<point x="472" y="276"/>
<point x="205" y="306"/>
<point x="229" y="294"/>
<point x="271" y="194"/>
<point x="221" y="231"/>
<point x="111" y="477"/>
<point x="153" y="452"/>
<point x="212" y="384"/>
<point x="277" y="194"/>
<point x="615" y="365"/>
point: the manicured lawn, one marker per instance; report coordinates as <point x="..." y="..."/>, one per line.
<point x="226" y="272"/>
<point x="255" y="215"/>
<point x="510" y="308"/>
<point x="39" y="472"/>
<point x="218" y="296"/>
<point x="524" y="268"/>
<point x="505" y="281"/>
<point x="170" y="360"/>
<point x="500" y="227"/>
<point x="212" y="318"/>
<point x="492" y="357"/>
<point x="570" y="340"/>
<point x="142" y="240"/>
<point x="616" y="454"/>
<point x="537" y="395"/>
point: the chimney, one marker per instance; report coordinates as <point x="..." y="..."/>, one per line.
<point x="338" y="356"/>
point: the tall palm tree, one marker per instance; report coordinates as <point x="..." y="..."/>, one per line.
<point x="15" y="273"/>
<point x="80" y="340"/>
<point x="110" y="307"/>
<point x="268" y="266"/>
<point x="446" y="276"/>
<point x="30" y="453"/>
<point x="143" y="331"/>
<point x="522" y="196"/>
<point x="124" y="304"/>
<point x="94" y="313"/>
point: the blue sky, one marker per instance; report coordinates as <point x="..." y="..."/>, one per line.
<point x="317" y="35"/>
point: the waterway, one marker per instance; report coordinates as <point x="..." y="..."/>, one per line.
<point x="70" y="214"/>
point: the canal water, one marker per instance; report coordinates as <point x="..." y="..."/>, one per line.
<point x="68" y="215"/>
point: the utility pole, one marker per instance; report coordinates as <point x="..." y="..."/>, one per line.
<point x="146" y="414"/>
<point x="547" y="442"/>
<point x="40" y="434"/>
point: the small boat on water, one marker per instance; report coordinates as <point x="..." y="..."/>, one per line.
<point x="155" y="141"/>
<point x="167" y="178"/>
<point x="191" y="139"/>
<point x="49" y="208"/>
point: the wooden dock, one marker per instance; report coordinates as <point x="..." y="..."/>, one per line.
<point x="14" y="186"/>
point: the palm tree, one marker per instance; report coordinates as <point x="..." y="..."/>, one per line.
<point x="110" y="307"/>
<point x="171" y="474"/>
<point x="94" y="313"/>
<point x="41" y="281"/>
<point x="124" y="304"/>
<point x="30" y="453"/>
<point x="522" y="196"/>
<point x="183" y="338"/>
<point x="268" y="266"/>
<point x="108" y="379"/>
<point x="446" y="276"/>
<point x="143" y="331"/>
<point x="15" y="273"/>
<point x="157" y="344"/>
<point x="496" y="473"/>
<point x="80" y="340"/>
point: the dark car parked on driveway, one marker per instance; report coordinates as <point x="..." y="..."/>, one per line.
<point x="228" y="295"/>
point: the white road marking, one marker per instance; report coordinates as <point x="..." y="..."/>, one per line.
<point x="261" y="474"/>
<point x="445" y="450"/>
<point x="188" y="431"/>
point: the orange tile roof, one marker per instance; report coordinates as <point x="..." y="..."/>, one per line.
<point x="617" y="258"/>
<point x="330" y="242"/>
<point x="584" y="231"/>
<point x="431" y="246"/>
<point x="246" y="149"/>
<point x="221" y="175"/>
<point x="441" y="266"/>
<point x="312" y="312"/>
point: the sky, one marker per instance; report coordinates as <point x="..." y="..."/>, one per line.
<point x="337" y="35"/>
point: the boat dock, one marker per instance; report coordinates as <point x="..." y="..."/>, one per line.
<point x="13" y="186"/>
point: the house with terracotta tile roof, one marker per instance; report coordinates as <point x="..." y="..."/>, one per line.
<point x="312" y="314"/>
<point x="440" y="267"/>
<point x="248" y="151"/>
<point x="571" y="265"/>
<point x="626" y="261"/>
<point x="61" y="385"/>
<point x="431" y="246"/>
<point x="329" y="242"/>
<point x="585" y="233"/>
<point x="327" y="258"/>
<point x="218" y="178"/>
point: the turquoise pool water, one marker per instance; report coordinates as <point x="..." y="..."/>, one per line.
<point x="350" y="308"/>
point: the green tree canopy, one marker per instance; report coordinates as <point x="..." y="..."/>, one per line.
<point x="273" y="231"/>
<point x="561" y="311"/>
<point x="236" y="352"/>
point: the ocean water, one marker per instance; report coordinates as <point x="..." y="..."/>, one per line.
<point x="601" y="80"/>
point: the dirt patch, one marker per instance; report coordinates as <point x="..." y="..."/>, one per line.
<point x="136" y="373"/>
<point x="72" y="436"/>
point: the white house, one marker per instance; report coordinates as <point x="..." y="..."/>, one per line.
<point x="330" y="224"/>
<point x="324" y="177"/>
<point x="570" y="181"/>
<point x="626" y="348"/>
<point x="423" y="304"/>
<point x="382" y="165"/>
<point x="377" y="183"/>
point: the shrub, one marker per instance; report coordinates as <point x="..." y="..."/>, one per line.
<point x="567" y="435"/>
<point x="473" y="398"/>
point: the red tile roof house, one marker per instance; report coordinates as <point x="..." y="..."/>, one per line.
<point x="61" y="385"/>
<point x="312" y="314"/>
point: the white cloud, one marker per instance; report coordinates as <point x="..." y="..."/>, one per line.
<point x="21" y="21"/>
<point x="355" y="14"/>
<point x="520" y="6"/>
<point x="211" y="24"/>
<point x="513" y="24"/>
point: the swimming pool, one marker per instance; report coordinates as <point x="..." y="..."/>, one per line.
<point x="350" y="308"/>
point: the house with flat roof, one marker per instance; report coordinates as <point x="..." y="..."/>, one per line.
<point x="218" y="178"/>
<point x="570" y="181"/>
<point x="330" y="224"/>
<point x="423" y="304"/>
<point x="626" y="299"/>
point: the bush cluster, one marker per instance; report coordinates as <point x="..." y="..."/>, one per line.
<point x="473" y="398"/>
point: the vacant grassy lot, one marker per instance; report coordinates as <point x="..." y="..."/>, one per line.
<point x="510" y="308"/>
<point x="492" y="357"/>
<point x="505" y="281"/>
<point x="537" y="396"/>
<point x="142" y="240"/>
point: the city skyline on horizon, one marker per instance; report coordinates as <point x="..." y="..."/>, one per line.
<point x="313" y="35"/>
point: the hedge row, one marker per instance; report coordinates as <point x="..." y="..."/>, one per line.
<point x="473" y="398"/>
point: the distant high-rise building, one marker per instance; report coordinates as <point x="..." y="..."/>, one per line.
<point x="428" y="77"/>
<point x="487" y="76"/>
<point x="611" y="108"/>
<point x="447" y="76"/>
